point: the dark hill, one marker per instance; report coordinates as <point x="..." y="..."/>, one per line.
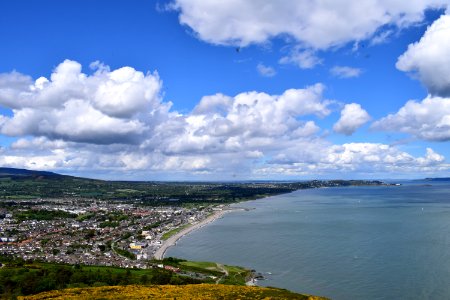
<point x="23" y="173"/>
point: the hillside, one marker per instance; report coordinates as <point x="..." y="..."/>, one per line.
<point x="23" y="173"/>
<point x="187" y="292"/>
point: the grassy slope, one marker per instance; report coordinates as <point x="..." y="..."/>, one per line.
<point x="188" y="292"/>
<point x="236" y="275"/>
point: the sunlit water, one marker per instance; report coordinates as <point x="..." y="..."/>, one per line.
<point x="343" y="243"/>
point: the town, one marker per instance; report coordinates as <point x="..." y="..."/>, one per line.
<point x="91" y="232"/>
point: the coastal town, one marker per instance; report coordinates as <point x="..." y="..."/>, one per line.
<point x="109" y="233"/>
<point x="122" y="224"/>
<point x="95" y="232"/>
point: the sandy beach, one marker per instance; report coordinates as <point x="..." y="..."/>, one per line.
<point x="159" y="254"/>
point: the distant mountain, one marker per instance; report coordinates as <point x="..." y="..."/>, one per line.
<point x="23" y="173"/>
<point x="438" y="179"/>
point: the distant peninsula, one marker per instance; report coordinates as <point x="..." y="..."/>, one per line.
<point x="22" y="184"/>
<point x="438" y="179"/>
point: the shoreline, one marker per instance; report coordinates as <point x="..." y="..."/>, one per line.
<point x="171" y="241"/>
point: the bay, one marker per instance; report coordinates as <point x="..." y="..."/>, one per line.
<point x="384" y="242"/>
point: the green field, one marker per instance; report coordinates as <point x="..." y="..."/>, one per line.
<point x="174" y="231"/>
<point x="200" y="264"/>
<point x="236" y="275"/>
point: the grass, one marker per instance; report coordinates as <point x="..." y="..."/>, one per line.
<point x="128" y="191"/>
<point x="236" y="275"/>
<point x="174" y="231"/>
<point x="234" y="269"/>
<point x="201" y="264"/>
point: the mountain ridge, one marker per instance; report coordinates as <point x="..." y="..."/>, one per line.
<point x="23" y="173"/>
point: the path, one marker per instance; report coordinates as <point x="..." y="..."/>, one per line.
<point x="223" y="270"/>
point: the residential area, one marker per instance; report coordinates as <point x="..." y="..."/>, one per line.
<point x="90" y="232"/>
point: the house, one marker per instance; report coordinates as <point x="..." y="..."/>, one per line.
<point x="173" y="269"/>
<point x="138" y="246"/>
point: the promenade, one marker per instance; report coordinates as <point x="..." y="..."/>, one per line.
<point x="159" y="254"/>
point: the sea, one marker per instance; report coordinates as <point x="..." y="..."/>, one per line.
<point x="370" y="242"/>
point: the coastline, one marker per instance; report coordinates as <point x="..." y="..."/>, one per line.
<point x="171" y="241"/>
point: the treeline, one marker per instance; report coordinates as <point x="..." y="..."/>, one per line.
<point x="125" y="253"/>
<point x="43" y="215"/>
<point x="20" y="278"/>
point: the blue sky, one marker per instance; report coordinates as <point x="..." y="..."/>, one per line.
<point x="222" y="91"/>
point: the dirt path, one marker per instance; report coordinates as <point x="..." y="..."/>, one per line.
<point x="222" y="269"/>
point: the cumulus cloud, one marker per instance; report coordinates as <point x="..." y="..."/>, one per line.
<point x="311" y="158"/>
<point x="427" y="120"/>
<point x="247" y="121"/>
<point x="361" y="158"/>
<point x="74" y="118"/>
<point x="11" y="85"/>
<point x="105" y="107"/>
<point x="314" y="24"/>
<point x="345" y="72"/>
<point x="116" y="121"/>
<point x="352" y="117"/>
<point x="265" y="71"/>
<point x="429" y="58"/>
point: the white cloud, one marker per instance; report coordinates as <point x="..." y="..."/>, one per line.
<point x="345" y="72"/>
<point x="381" y="38"/>
<point x="301" y="157"/>
<point x="105" y="107"/>
<point x="375" y="156"/>
<point x="366" y="159"/>
<point x="429" y="58"/>
<point x="304" y="59"/>
<point x="76" y="119"/>
<point x="308" y="129"/>
<point x="265" y="71"/>
<point x="427" y="120"/>
<point x="217" y="103"/>
<point x="65" y="123"/>
<point x="312" y="23"/>
<point x="248" y="121"/>
<point x="40" y="143"/>
<point x="352" y="117"/>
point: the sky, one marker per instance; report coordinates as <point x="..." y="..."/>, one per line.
<point x="226" y="90"/>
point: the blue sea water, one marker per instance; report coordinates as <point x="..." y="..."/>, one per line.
<point x="384" y="242"/>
